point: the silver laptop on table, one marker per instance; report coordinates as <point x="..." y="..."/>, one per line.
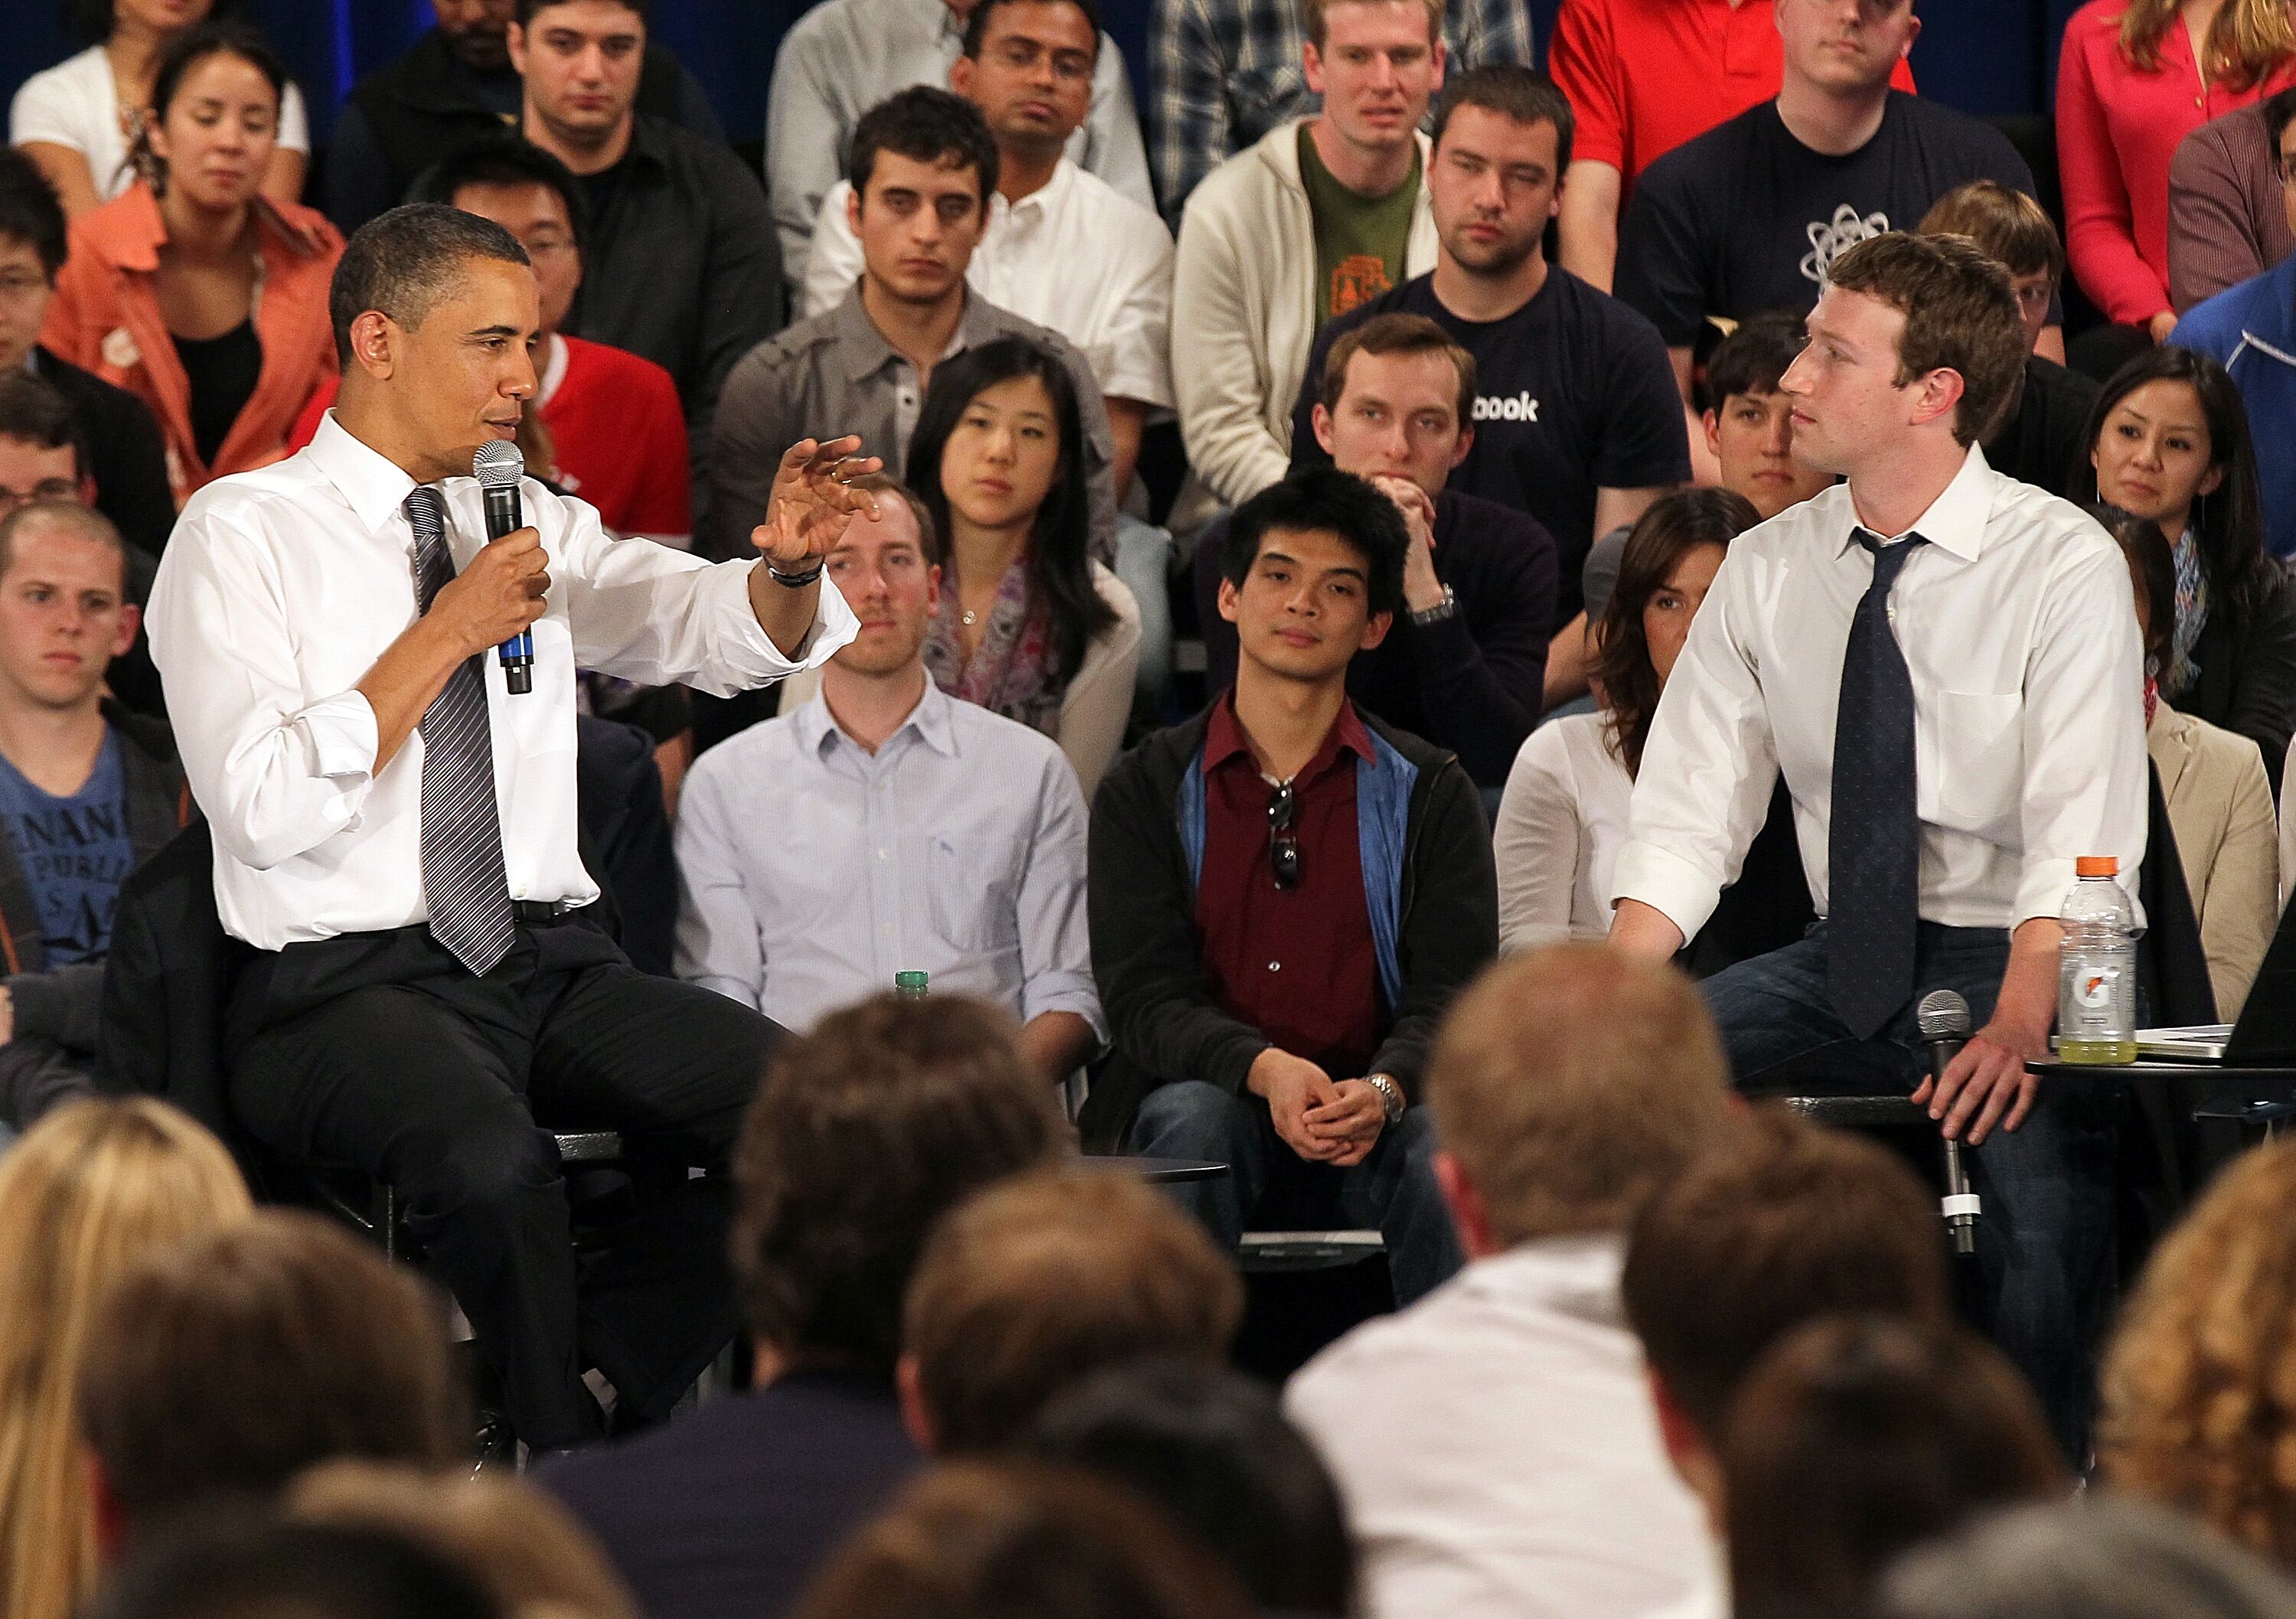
<point x="2265" y="1033"/>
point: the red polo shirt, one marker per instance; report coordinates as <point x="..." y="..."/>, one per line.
<point x="1298" y="965"/>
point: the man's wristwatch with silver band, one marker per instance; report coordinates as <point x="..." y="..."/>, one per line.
<point x="1448" y="608"/>
<point x="1390" y="1093"/>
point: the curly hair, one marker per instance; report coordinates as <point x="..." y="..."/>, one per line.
<point x="2199" y="1388"/>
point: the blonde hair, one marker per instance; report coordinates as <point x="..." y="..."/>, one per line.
<point x="2246" y="42"/>
<point x="2199" y="1387"/>
<point x="89" y="1191"/>
<point x="1312" y="12"/>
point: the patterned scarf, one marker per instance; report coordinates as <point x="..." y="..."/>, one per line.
<point x="2192" y="616"/>
<point x="1013" y="671"/>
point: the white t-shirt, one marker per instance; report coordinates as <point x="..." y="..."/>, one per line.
<point x="1562" y="822"/>
<point x="77" y="104"/>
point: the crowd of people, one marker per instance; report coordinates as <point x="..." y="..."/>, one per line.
<point x="1397" y="628"/>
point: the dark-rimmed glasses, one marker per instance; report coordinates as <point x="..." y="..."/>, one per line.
<point x="1283" y="843"/>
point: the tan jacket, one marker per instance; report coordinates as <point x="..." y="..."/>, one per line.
<point x="2220" y="809"/>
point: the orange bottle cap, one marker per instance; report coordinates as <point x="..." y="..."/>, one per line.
<point x="2096" y="865"/>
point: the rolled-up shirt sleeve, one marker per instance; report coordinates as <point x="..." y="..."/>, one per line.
<point x="1056" y="932"/>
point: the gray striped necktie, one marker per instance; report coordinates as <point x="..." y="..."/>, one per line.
<point x="462" y="875"/>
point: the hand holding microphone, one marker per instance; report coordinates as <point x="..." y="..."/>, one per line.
<point x="498" y="466"/>
<point x="495" y="599"/>
<point x="1945" y="1026"/>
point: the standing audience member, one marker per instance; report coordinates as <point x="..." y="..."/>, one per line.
<point x="1563" y="818"/>
<point x="1285" y="895"/>
<point x="680" y="264"/>
<point x="208" y="307"/>
<point x="969" y="858"/>
<point x="843" y="57"/>
<point x="1464" y="665"/>
<point x="84" y="121"/>
<point x="1941" y="865"/>
<point x="1033" y="1285"/>
<point x="1644" y="76"/>
<point x="1857" y="1436"/>
<point x="1223" y="73"/>
<point x="865" y="1132"/>
<point x="84" y="1196"/>
<point x="2169" y="442"/>
<point x="1495" y="1441"/>
<point x="1319" y="216"/>
<point x="244" y="1564"/>
<point x="2134" y="78"/>
<point x="2227" y="202"/>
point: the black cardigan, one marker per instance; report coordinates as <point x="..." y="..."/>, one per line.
<point x="2248" y="674"/>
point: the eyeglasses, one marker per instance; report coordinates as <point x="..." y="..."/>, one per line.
<point x="1283" y="843"/>
<point x="49" y="488"/>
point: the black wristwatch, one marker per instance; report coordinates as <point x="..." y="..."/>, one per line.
<point x="795" y="581"/>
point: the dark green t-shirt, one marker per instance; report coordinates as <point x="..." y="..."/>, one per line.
<point x="1360" y="240"/>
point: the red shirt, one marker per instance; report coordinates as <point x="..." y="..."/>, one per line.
<point x="619" y="432"/>
<point x="1297" y="965"/>
<point x="1644" y="76"/>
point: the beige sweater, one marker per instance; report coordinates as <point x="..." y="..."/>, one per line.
<point x="2220" y="810"/>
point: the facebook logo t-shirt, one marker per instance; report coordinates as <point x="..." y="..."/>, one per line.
<point x="74" y="852"/>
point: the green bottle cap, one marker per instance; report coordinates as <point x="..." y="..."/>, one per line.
<point x="909" y="984"/>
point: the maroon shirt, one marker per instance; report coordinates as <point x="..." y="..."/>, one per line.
<point x="1299" y="965"/>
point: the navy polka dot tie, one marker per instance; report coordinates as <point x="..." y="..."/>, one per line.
<point x="1873" y="844"/>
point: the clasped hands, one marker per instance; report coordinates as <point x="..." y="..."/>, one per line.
<point x="1324" y="1120"/>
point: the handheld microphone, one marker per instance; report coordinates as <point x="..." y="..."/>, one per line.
<point x="1944" y="1019"/>
<point x="498" y="466"/>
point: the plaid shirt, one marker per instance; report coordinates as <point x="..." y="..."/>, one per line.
<point x="1222" y="73"/>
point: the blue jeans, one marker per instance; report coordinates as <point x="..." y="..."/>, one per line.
<point x="1143" y="562"/>
<point x="1393" y="1188"/>
<point x="2044" y="1241"/>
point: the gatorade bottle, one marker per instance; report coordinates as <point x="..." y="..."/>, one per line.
<point x="2096" y="982"/>
<point x="909" y="986"/>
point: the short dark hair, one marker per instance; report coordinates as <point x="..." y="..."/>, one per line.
<point x="2152" y="570"/>
<point x="1753" y="358"/>
<point x="1524" y="95"/>
<point x="502" y="160"/>
<point x="30" y="212"/>
<point x="1961" y="315"/>
<point x="403" y="262"/>
<point x="926" y="125"/>
<point x="211" y="38"/>
<point x="976" y="26"/>
<point x="527" y="8"/>
<point x="32" y="410"/>
<point x="1325" y="499"/>
<point x="1397" y="332"/>
<point x="232" y="1562"/>
<point x="90" y="21"/>
<point x="2279" y="112"/>
<point x="1672" y="526"/>
<point x="864" y="1133"/>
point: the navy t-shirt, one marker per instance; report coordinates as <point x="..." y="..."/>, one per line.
<point x="1573" y="393"/>
<point x="74" y="852"/>
<point x="1746" y="217"/>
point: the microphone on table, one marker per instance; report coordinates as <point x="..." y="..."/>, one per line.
<point x="1944" y="1019"/>
<point x="498" y="466"/>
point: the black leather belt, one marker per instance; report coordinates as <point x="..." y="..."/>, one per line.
<point x="534" y="913"/>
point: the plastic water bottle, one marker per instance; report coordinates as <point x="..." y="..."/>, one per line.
<point x="909" y="986"/>
<point x="2096" y="982"/>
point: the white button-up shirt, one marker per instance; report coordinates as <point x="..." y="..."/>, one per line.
<point x="280" y="589"/>
<point x="813" y="870"/>
<point x="2019" y="628"/>
<point x="1074" y="255"/>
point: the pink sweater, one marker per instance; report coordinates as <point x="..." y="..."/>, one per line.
<point x="2117" y="131"/>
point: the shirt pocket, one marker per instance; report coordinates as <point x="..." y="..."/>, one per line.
<point x="1969" y="761"/>
<point x="973" y="882"/>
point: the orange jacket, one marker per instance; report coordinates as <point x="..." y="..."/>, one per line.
<point x="106" y="317"/>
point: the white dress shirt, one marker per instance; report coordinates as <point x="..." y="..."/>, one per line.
<point x="812" y="870"/>
<point x="280" y="589"/>
<point x="2019" y="629"/>
<point x="1074" y="255"/>
<point x="1496" y="1450"/>
<point x="1562" y="822"/>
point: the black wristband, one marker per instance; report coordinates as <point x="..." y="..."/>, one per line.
<point x="795" y="581"/>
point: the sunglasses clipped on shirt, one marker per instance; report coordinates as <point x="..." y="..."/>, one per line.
<point x="1282" y="842"/>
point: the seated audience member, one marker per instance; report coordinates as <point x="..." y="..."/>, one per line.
<point x="89" y="792"/>
<point x="1222" y="73"/>
<point x="1212" y="1447"/>
<point x="2169" y="442"/>
<point x="247" y="1565"/>
<point x="784" y="909"/>
<point x="1563" y="817"/>
<point x="225" y="1364"/>
<point x="89" y="1191"/>
<point x="2213" y="784"/>
<point x="1644" y="76"/>
<point x="1495" y="1441"/>
<point x="2126" y="77"/>
<point x="1748" y="216"/>
<point x="1787" y="1221"/>
<point x="1320" y="215"/>
<point x="455" y="85"/>
<point x="119" y="442"/>
<point x="211" y="310"/>
<point x="2039" y="441"/>
<point x="2227" y="209"/>
<point x="865" y="1132"/>
<point x="1008" y="1540"/>
<point x="1857" y="1437"/>
<point x="1464" y="665"/>
<point x="1574" y="420"/>
<point x="2251" y="329"/>
<point x="1030" y="1286"/>
<point x="83" y="120"/>
<point x="1284" y="895"/>
<point x="922" y="167"/>
<point x="842" y="58"/>
<point x="603" y="423"/>
<point x="679" y="263"/>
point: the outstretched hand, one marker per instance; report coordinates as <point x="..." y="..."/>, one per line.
<point x="814" y="502"/>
